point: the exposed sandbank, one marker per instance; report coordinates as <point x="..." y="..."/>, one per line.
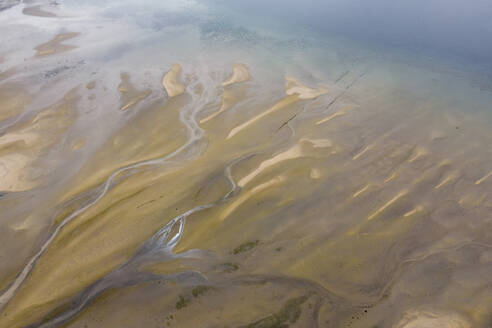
<point x="171" y="81"/>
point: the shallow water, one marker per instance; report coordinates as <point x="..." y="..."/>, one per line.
<point x="194" y="164"/>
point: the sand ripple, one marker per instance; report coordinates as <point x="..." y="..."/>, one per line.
<point x="424" y="319"/>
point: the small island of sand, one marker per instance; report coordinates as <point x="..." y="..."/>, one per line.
<point x="293" y="86"/>
<point x="171" y="82"/>
<point x="240" y="73"/>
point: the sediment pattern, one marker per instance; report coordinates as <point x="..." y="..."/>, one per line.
<point x="348" y="202"/>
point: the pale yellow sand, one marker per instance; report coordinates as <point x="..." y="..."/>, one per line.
<point x="315" y="173"/>
<point x="388" y="204"/>
<point x="449" y="178"/>
<point x="325" y="240"/>
<point x="78" y="144"/>
<point x="55" y="45"/>
<point x="136" y="100"/>
<point x="414" y="211"/>
<point x="362" y="152"/>
<point x="250" y="193"/>
<point x="25" y="137"/>
<point x="230" y="97"/>
<point x="12" y="102"/>
<point x="129" y="95"/>
<point x="12" y="170"/>
<point x="341" y="112"/>
<point x="90" y="85"/>
<point x="419" y="152"/>
<point x="24" y="142"/>
<point x="295" y="151"/>
<point x="281" y="104"/>
<point x="171" y="82"/>
<point x="391" y="177"/>
<point x="294" y="87"/>
<point x="332" y="116"/>
<point x="479" y="181"/>
<point x="213" y="115"/>
<point x="318" y="143"/>
<point x="428" y="319"/>
<point x="240" y="73"/>
<point x="360" y="191"/>
<point x="294" y="91"/>
<point x="13" y="165"/>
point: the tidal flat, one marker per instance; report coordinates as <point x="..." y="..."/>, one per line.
<point x="171" y="165"/>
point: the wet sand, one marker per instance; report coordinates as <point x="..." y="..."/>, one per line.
<point x="37" y="11"/>
<point x="204" y="197"/>
<point x="55" y="45"/>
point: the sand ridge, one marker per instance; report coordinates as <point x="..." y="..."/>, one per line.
<point x="295" y="87"/>
<point x="55" y="45"/>
<point x="240" y="73"/>
<point x="171" y="81"/>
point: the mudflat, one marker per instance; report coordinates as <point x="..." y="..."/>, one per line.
<point x="169" y="176"/>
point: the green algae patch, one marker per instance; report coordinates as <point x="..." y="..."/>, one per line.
<point x="229" y="267"/>
<point x="182" y="302"/>
<point x="289" y="314"/>
<point x="245" y="247"/>
<point x="200" y="290"/>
